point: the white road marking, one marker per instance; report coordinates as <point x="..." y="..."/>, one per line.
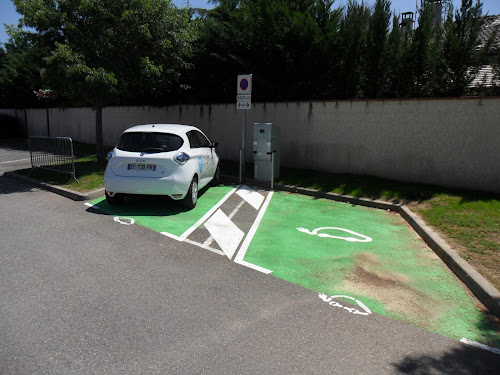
<point x="124" y="220"/>
<point x="331" y="301"/>
<point x="210" y="239"/>
<point x="254" y="266"/>
<point x="230" y="247"/>
<point x="14" y="161"/>
<point x="249" y="237"/>
<point x="225" y="232"/>
<point x="173" y="236"/>
<point x="203" y="246"/>
<point x="348" y="239"/>
<point x="186" y="234"/>
<point x="481" y="346"/>
<point x="253" y="198"/>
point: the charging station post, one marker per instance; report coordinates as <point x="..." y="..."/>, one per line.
<point x="244" y="102"/>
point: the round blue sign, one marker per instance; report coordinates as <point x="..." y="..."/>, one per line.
<point x="244" y="84"/>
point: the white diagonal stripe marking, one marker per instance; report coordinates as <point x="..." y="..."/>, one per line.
<point x="225" y="232"/>
<point x="210" y="239"/>
<point x="253" y="198"/>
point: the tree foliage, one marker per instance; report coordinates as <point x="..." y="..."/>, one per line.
<point x="19" y="72"/>
<point x="103" y="52"/>
<point x="308" y="49"/>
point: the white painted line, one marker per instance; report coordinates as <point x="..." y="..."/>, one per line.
<point x="210" y="239"/>
<point x="253" y="266"/>
<point x="481" y="346"/>
<point x="177" y="238"/>
<point x="348" y="239"/>
<point x="207" y="215"/>
<point x="249" y="237"/>
<point x="124" y="220"/>
<point x="331" y="301"/>
<point x="14" y="161"/>
<point x="253" y="198"/>
<point x="225" y="232"/>
<point x="90" y="205"/>
<point x="205" y="247"/>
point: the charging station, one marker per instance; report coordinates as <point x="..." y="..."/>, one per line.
<point x="266" y="151"/>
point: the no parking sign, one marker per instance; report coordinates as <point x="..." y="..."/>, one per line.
<point x="244" y="84"/>
<point x="244" y="89"/>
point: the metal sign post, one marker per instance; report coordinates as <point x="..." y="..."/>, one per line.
<point x="244" y="102"/>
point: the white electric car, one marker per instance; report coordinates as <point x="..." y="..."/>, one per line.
<point x="161" y="159"/>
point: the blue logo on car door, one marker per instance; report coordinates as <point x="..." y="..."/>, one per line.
<point x="200" y="163"/>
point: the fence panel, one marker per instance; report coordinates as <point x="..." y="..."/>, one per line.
<point x="53" y="153"/>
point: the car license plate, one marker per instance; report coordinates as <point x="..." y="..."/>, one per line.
<point x="142" y="167"/>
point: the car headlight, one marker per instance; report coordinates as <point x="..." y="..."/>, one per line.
<point x="110" y="155"/>
<point x="181" y="158"/>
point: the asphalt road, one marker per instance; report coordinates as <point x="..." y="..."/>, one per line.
<point x="13" y="158"/>
<point x="82" y="294"/>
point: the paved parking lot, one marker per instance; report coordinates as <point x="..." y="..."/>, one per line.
<point x="361" y="260"/>
<point x="151" y="288"/>
<point x="13" y="158"/>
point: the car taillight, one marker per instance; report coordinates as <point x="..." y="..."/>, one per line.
<point x="181" y="158"/>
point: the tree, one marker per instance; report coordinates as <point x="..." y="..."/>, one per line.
<point x="101" y="52"/>
<point x="353" y="31"/>
<point x="377" y="35"/>
<point x="287" y="45"/>
<point x="395" y="79"/>
<point x="461" y="46"/>
<point x="19" y="74"/>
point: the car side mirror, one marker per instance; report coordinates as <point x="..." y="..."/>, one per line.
<point x="214" y="144"/>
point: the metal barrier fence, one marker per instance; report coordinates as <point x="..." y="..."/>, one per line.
<point x="54" y="154"/>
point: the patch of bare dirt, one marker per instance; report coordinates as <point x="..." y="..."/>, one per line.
<point x="393" y="290"/>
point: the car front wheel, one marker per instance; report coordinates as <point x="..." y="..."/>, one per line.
<point x="192" y="195"/>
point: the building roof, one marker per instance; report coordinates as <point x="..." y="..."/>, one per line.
<point x="490" y="25"/>
<point x="485" y="77"/>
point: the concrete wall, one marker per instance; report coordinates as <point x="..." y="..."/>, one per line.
<point x="449" y="142"/>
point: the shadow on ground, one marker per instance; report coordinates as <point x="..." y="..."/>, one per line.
<point x="8" y="186"/>
<point x="144" y="205"/>
<point x="460" y="361"/>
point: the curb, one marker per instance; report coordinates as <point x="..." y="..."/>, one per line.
<point x="71" y="194"/>
<point x="482" y="288"/>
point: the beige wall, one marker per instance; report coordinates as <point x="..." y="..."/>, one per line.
<point x="448" y="142"/>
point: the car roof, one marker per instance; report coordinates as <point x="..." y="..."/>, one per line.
<point x="162" y="128"/>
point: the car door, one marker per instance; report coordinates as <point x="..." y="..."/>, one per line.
<point x="201" y="150"/>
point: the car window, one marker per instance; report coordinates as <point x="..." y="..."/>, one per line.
<point x="202" y="140"/>
<point x="193" y="139"/>
<point x="150" y="142"/>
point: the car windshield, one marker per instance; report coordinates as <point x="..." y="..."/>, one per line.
<point x="150" y="142"/>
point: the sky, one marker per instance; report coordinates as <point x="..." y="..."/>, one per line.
<point x="8" y="14"/>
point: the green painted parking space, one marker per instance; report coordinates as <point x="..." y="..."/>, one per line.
<point x="368" y="255"/>
<point x="161" y="214"/>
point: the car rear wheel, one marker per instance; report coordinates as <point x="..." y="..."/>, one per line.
<point x="192" y="195"/>
<point x="115" y="199"/>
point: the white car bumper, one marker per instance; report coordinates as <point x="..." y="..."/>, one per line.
<point x="175" y="186"/>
